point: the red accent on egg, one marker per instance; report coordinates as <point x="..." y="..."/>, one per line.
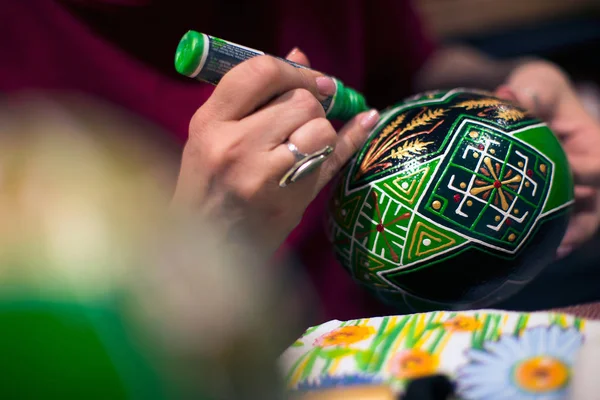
<point x="529" y="173"/>
<point x="457" y="198"/>
<point x="380" y="228"/>
<point x="508" y="222"/>
<point x="497" y="184"/>
<point x="481" y="147"/>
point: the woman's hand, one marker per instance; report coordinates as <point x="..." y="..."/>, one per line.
<point x="237" y="152"/>
<point x="546" y="91"/>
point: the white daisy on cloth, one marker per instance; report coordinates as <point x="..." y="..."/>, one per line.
<point x="535" y="365"/>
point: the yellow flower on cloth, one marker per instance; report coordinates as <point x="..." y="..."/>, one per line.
<point x="464" y="323"/>
<point x="414" y="363"/>
<point x="344" y="336"/>
<point x="542" y="374"/>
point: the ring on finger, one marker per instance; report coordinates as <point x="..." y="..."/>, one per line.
<point x="305" y="163"/>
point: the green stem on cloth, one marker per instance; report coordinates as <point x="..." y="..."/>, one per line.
<point x="295" y="366"/>
<point x="437" y="341"/>
<point x="390" y="337"/>
<point x="326" y="366"/>
<point x="578" y="323"/>
<point x="479" y="337"/>
<point x="492" y="334"/>
<point x="311" y="361"/>
<point x="521" y="324"/>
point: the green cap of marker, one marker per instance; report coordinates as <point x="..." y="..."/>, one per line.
<point x="346" y="103"/>
<point x="196" y="48"/>
<point x="189" y="52"/>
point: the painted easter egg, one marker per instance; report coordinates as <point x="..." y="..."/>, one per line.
<point x="456" y="200"/>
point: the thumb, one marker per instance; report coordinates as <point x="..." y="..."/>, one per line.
<point x="528" y="99"/>
<point x="350" y="139"/>
<point x="298" y="56"/>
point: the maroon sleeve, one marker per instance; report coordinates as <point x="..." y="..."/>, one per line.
<point x="397" y="45"/>
<point x="105" y="3"/>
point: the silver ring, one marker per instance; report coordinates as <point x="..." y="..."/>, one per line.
<point x="305" y="163"/>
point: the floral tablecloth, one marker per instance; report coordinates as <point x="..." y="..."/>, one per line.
<point x="588" y="310"/>
<point x="487" y="353"/>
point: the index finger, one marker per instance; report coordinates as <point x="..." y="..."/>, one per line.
<point x="255" y="82"/>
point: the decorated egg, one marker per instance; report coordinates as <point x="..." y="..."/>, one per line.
<point x="456" y="200"/>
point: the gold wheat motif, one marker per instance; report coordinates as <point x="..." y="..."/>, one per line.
<point x="423" y="119"/>
<point x="382" y="148"/>
<point x="510" y="114"/>
<point x="483" y="103"/>
<point x="393" y="125"/>
<point x="414" y="147"/>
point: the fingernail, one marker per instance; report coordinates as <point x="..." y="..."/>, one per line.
<point x="326" y="86"/>
<point x="506" y="93"/>
<point x="370" y="120"/>
<point x="563" y="251"/>
<point x="293" y="52"/>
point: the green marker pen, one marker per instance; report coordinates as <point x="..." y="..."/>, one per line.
<point x="208" y="58"/>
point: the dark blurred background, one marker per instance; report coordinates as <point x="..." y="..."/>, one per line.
<point x="566" y="32"/>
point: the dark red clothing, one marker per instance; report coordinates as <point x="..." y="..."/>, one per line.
<point x="122" y="51"/>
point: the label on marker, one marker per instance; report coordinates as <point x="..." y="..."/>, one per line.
<point x="220" y="56"/>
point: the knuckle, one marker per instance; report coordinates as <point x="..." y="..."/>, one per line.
<point x="234" y="148"/>
<point x="198" y="123"/>
<point x="217" y="155"/>
<point x="303" y="96"/>
<point x="213" y="159"/>
<point x="248" y="189"/>
<point x="214" y="152"/>
<point x="306" y="101"/>
<point x="325" y="129"/>
<point x="264" y="68"/>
